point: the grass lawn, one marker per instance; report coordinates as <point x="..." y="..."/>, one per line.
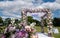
<point x="38" y="28"/>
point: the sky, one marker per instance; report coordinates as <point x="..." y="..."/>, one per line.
<point x="12" y="8"/>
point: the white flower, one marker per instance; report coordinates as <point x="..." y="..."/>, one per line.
<point x="12" y="28"/>
<point x="27" y="27"/>
<point x="32" y="24"/>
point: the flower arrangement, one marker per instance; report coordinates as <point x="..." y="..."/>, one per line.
<point x="30" y="30"/>
<point x="24" y="32"/>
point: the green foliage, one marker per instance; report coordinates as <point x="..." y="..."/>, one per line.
<point x="1" y="21"/>
<point x="17" y="21"/>
<point x="56" y="22"/>
<point x="45" y="23"/>
<point x="7" y="21"/>
<point x="37" y="22"/>
<point x="30" y="19"/>
<point x="2" y="29"/>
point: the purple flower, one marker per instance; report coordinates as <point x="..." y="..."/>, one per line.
<point x="22" y="33"/>
<point x="17" y="30"/>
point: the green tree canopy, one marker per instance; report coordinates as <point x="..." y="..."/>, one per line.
<point x="7" y="21"/>
<point x="1" y="20"/>
<point x="56" y="21"/>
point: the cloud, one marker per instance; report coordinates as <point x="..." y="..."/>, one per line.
<point x="58" y="1"/>
<point x="52" y="6"/>
<point x="37" y="2"/>
<point x="15" y="3"/>
<point x="13" y="8"/>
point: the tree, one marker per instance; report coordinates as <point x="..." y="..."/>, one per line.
<point x="36" y="21"/>
<point x="1" y="21"/>
<point x="30" y="19"/>
<point x="56" y="21"/>
<point x="17" y="21"/>
<point x="7" y="21"/>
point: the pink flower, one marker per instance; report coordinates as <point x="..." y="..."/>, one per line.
<point x="28" y="28"/>
<point x="3" y="36"/>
